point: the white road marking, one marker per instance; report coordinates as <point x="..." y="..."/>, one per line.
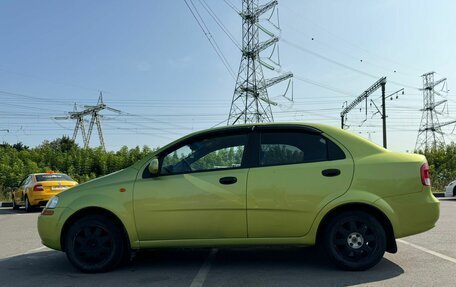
<point x="25" y="253"/>
<point x="199" y="279"/>
<point x="448" y="258"/>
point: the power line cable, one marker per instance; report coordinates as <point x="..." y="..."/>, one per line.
<point x="196" y="15"/>
<point x="232" y="6"/>
<point x="219" y="23"/>
<point x="298" y="47"/>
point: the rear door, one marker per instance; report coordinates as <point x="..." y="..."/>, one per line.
<point x="298" y="171"/>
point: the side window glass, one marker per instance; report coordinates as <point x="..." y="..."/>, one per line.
<point x="213" y="153"/>
<point x="272" y="154"/>
<point x="176" y="161"/>
<point x="283" y="147"/>
<point x="229" y="157"/>
<point x="23" y="182"/>
<point x="28" y="180"/>
<point x="334" y="152"/>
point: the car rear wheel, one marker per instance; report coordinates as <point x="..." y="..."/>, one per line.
<point x="95" y="244"/>
<point x="28" y="207"/>
<point x="454" y="191"/>
<point x="354" y="240"/>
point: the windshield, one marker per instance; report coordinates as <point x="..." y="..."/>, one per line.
<point x="53" y="177"/>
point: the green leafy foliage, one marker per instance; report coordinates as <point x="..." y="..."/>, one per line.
<point x="62" y="155"/>
<point x="442" y="165"/>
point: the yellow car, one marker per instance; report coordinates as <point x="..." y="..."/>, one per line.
<point x="258" y="184"/>
<point x="36" y="189"/>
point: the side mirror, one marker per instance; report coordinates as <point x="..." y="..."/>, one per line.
<point x="153" y="167"/>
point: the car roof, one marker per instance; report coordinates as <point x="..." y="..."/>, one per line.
<point x="40" y="173"/>
<point x="251" y="125"/>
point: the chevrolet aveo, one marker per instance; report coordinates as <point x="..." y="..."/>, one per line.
<point x="263" y="184"/>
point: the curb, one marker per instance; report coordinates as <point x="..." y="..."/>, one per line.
<point x="6" y="204"/>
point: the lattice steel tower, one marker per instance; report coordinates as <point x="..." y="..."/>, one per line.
<point x="94" y="112"/>
<point x="251" y="103"/>
<point x="430" y="133"/>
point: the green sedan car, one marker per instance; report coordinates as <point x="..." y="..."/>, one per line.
<point x="258" y="184"/>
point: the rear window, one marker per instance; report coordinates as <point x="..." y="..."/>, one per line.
<point x="52" y="177"/>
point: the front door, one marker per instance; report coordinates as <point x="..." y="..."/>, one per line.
<point x="200" y="192"/>
<point x="298" y="172"/>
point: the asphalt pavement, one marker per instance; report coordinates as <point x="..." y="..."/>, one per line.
<point x="427" y="259"/>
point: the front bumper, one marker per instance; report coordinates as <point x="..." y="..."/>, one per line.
<point x="50" y="228"/>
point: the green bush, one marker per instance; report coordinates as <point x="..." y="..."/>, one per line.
<point x="442" y="165"/>
<point x="61" y="155"/>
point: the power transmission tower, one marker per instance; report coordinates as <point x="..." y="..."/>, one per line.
<point x="96" y="119"/>
<point x="430" y="133"/>
<point x="251" y="103"/>
<point x="94" y="112"/>
<point x="79" y="117"/>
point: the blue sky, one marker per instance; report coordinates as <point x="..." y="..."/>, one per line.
<point x="152" y="62"/>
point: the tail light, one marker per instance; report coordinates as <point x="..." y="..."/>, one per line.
<point x="38" y="187"/>
<point x="425" y="177"/>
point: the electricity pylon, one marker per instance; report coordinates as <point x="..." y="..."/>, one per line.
<point x="79" y="117"/>
<point x="96" y="119"/>
<point x="430" y="133"/>
<point x="94" y="112"/>
<point x="251" y="103"/>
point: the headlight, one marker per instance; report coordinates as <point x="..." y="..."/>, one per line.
<point x="52" y="203"/>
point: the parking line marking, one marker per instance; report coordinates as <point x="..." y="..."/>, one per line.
<point x="448" y="258"/>
<point x="201" y="276"/>
<point x="24" y="253"/>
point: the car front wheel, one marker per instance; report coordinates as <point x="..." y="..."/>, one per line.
<point x="15" y="206"/>
<point x="95" y="243"/>
<point x="354" y="240"/>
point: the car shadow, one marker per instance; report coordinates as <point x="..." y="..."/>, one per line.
<point x="289" y="266"/>
<point x="21" y="210"/>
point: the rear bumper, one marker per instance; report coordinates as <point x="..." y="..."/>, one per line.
<point x="39" y="199"/>
<point x="413" y="213"/>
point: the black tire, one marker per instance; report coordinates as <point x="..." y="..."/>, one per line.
<point x="28" y="207"/>
<point x="454" y="191"/>
<point x="354" y="240"/>
<point x="95" y="243"/>
<point x="15" y="206"/>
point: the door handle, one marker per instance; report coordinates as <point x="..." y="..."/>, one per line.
<point x="228" y="180"/>
<point x="330" y="172"/>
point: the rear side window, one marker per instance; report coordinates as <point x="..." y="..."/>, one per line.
<point x="283" y="147"/>
<point x="52" y="177"/>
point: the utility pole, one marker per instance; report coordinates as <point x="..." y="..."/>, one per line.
<point x="251" y="103"/>
<point x="430" y="133"/>
<point x="381" y="83"/>
<point x="384" y="114"/>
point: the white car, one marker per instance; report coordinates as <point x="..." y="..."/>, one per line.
<point x="450" y="189"/>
